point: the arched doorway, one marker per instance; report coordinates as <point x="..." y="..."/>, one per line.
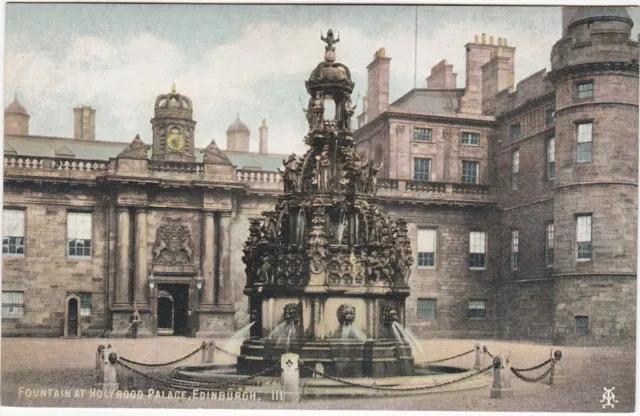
<point x="72" y="316"/>
<point x="165" y="313"/>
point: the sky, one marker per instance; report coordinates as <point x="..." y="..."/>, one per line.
<point x="250" y="60"/>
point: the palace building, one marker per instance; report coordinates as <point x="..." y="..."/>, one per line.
<point x="520" y="201"/>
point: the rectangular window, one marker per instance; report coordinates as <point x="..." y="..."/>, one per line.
<point x="13" y="232"/>
<point x="551" y="159"/>
<point x="585" y="89"/>
<point x="477" y="309"/>
<point x="514" y="131"/>
<point x="427" y="248"/>
<point x="477" y="250"/>
<point x="583" y="236"/>
<point x="79" y="234"/>
<point x="12" y="304"/>
<point x="514" y="249"/>
<point x="582" y="325"/>
<point x="585" y="141"/>
<point x="422" y="134"/>
<point x="85" y="304"/>
<point x="427" y="310"/>
<point x="515" y="177"/>
<point x="469" y="172"/>
<point x="470" y="139"/>
<point x="549" y="244"/>
<point x="551" y="116"/>
<point x="422" y="169"/>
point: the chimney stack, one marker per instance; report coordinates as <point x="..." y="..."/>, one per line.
<point x="84" y="123"/>
<point x="378" y="85"/>
<point x="264" y="137"/>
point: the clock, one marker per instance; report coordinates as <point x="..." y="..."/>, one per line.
<point x="175" y="142"/>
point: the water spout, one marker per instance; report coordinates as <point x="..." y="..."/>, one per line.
<point x="235" y="342"/>
<point x="282" y="334"/>
<point x="351" y="332"/>
<point x="403" y="334"/>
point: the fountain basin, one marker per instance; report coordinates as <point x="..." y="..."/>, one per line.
<point x="334" y="357"/>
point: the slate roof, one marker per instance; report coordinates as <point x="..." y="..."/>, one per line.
<point x="430" y="101"/>
<point x="600" y="12"/>
<point x="46" y="146"/>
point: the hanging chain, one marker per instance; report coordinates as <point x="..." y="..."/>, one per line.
<point x="447" y="359"/>
<point x="534" y="367"/>
<point x="161" y="364"/>
<point x="536" y="379"/>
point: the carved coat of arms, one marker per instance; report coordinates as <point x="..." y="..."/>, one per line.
<point x="173" y="244"/>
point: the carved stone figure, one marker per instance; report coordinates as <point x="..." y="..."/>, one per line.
<point x="318" y="111"/>
<point x="389" y="315"/>
<point x="349" y="110"/>
<point x="346" y="314"/>
<point x="173" y="244"/>
<point x="322" y="171"/>
<point x="290" y="174"/>
<point x="292" y="313"/>
<point x="330" y="40"/>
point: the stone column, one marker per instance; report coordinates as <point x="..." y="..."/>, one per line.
<point x="225" y="297"/>
<point x="142" y="270"/>
<point x="122" y="281"/>
<point x="207" y="259"/>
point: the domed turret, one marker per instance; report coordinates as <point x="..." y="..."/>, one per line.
<point x="238" y="136"/>
<point x="16" y="118"/>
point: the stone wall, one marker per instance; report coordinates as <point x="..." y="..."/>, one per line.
<point x="526" y="310"/>
<point x="46" y="274"/>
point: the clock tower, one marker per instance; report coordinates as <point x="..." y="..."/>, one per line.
<point x="173" y="128"/>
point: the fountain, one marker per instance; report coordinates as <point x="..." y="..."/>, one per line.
<point x="319" y="290"/>
<point x="326" y="270"/>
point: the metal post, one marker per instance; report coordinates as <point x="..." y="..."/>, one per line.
<point x="212" y="347"/>
<point x="501" y="386"/>
<point x="290" y="377"/>
<point x="478" y="364"/>
<point x="204" y="352"/>
<point x="556" y="374"/>
<point x="99" y="364"/>
<point x="110" y="376"/>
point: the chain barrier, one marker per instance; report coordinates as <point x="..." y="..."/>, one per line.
<point x="181" y="383"/>
<point x="162" y="364"/>
<point x="486" y="351"/>
<point x="449" y="358"/>
<point x="534" y="367"/>
<point x="226" y="352"/>
<point x="536" y="379"/>
<point x="382" y="388"/>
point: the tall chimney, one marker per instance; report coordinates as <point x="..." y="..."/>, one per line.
<point x="84" y="123"/>
<point x="378" y="85"/>
<point x="264" y="137"/>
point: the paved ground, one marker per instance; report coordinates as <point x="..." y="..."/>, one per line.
<point x="69" y="364"/>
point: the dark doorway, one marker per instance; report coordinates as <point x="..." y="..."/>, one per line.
<point x="173" y="308"/>
<point x="72" y="318"/>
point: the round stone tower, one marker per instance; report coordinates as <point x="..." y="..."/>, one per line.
<point x="595" y="74"/>
<point x="238" y="136"/>
<point x="16" y="119"/>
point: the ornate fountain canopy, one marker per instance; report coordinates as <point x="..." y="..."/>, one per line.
<point x="327" y="228"/>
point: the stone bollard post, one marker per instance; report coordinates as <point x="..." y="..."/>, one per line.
<point x="99" y="364"/>
<point x="556" y="375"/>
<point x="212" y="347"/>
<point x="501" y="386"/>
<point x="109" y="373"/>
<point x="479" y="362"/>
<point x="290" y="377"/>
<point x="204" y="352"/>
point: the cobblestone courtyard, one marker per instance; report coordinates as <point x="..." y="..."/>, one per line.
<point x="69" y="364"/>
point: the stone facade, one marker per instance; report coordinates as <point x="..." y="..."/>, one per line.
<point x="538" y="298"/>
<point x="131" y="194"/>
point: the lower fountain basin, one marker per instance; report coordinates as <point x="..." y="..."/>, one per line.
<point x="334" y="357"/>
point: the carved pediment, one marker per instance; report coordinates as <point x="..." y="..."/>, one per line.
<point x="212" y="154"/>
<point x="173" y="245"/>
<point x="136" y="149"/>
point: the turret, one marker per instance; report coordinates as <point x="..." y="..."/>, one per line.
<point x="16" y="119"/>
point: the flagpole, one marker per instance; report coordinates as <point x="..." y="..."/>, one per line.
<point x="415" y="64"/>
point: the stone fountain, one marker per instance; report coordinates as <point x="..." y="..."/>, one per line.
<point x="327" y="269"/>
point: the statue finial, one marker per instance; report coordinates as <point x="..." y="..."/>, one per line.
<point x="173" y="88"/>
<point x="330" y="40"/>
